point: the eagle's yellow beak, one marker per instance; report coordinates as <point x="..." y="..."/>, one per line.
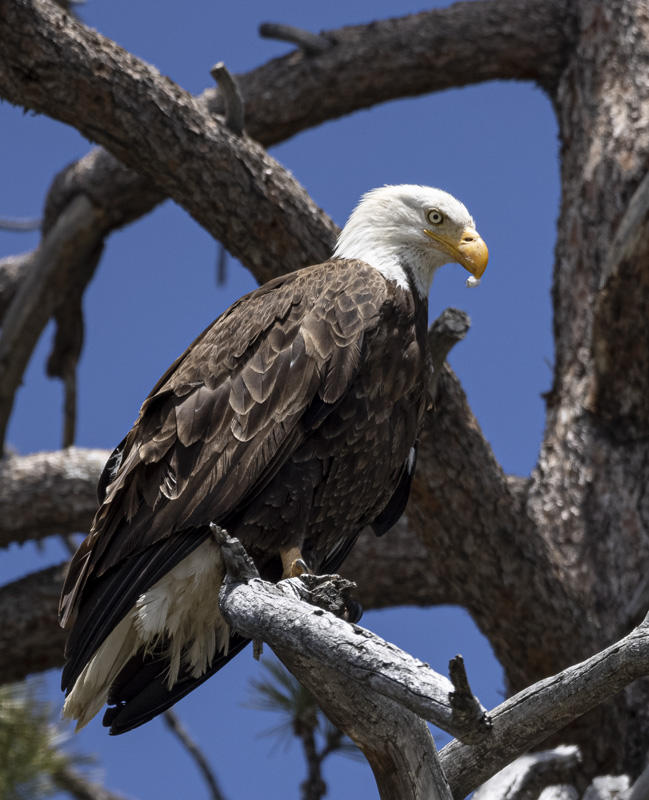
<point x="469" y="249"/>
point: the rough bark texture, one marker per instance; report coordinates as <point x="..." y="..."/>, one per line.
<point x="47" y="493"/>
<point x="554" y="567"/>
<point x="34" y="636"/>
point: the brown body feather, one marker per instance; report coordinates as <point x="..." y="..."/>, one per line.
<point x="289" y="421"/>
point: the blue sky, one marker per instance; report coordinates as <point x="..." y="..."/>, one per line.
<point x="494" y="146"/>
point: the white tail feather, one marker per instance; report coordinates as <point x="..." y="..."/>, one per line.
<point x="182" y="606"/>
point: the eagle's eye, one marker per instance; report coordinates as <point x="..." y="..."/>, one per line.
<point x="435" y="216"/>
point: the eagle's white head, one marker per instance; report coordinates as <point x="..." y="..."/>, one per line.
<point x="413" y="230"/>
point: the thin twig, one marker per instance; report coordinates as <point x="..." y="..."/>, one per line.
<point x="70" y="407"/>
<point x="311" y="43"/>
<point x="176" y="727"/>
<point x="234" y="108"/>
<point x="20" y="225"/>
<point x="221" y="266"/>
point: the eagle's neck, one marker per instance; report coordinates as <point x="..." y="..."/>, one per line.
<point x="408" y="266"/>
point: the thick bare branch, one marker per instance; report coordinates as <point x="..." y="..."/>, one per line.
<point x="228" y="183"/>
<point x="396" y="742"/>
<point x="527" y="776"/>
<point x="259" y="611"/>
<point x="465" y="43"/>
<point x="33" y="641"/>
<point x="47" y="493"/>
<point x="284" y="96"/>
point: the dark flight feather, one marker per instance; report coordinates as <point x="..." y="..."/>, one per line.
<point x="241" y="431"/>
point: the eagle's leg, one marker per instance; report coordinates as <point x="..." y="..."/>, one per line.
<point x="293" y="564"/>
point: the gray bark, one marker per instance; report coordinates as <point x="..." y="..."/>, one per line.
<point x="338" y="660"/>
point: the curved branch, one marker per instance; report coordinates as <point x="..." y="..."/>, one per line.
<point x="172" y="721"/>
<point x="284" y="96"/>
<point x="228" y="183"/>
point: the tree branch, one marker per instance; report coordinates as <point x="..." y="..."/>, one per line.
<point x="518" y="39"/>
<point x="259" y="610"/>
<point x="31" y="639"/>
<point x="51" y="274"/>
<point x="527" y="776"/>
<point x="234" y="108"/>
<point x="466" y="43"/>
<point x="48" y="493"/>
<point x="174" y="724"/>
<point x="70" y="780"/>
<point x="228" y="183"/>
<point x="19" y="224"/>
<point x="529" y="717"/>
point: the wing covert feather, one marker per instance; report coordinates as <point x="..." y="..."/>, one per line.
<point x="227" y="414"/>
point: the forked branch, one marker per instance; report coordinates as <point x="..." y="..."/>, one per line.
<point x="365" y="662"/>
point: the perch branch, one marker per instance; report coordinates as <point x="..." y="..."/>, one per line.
<point x="259" y="610"/>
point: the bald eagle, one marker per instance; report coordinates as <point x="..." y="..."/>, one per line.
<point x="292" y="421"/>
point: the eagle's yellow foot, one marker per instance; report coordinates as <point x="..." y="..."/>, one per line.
<point x="293" y="564"/>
